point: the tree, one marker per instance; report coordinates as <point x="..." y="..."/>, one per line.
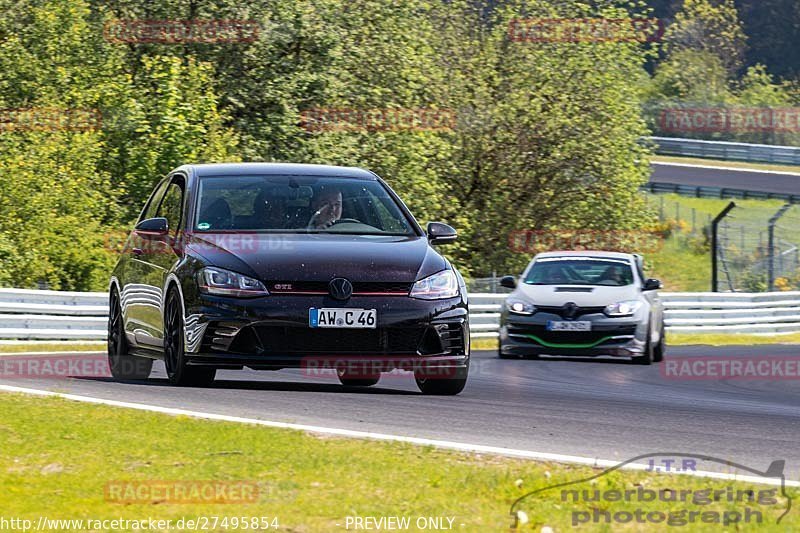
<point x="710" y="26"/>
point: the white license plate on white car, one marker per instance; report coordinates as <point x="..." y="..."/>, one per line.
<point x="342" y="318"/>
<point x="578" y="325"/>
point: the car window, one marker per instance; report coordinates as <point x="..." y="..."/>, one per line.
<point x="299" y="204"/>
<point x="171" y="206"/>
<point x="151" y="208"/>
<point x="580" y="271"/>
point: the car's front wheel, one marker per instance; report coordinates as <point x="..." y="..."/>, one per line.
<point x="178" y="371"/>
<point x="661" y="347"/>
<point x="439" y="385"/>
<point x="123" y="365"/>
<point x="648" y="356"/>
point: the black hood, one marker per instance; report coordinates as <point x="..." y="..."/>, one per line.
<point x="319" y="257"/>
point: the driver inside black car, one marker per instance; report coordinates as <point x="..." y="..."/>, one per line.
<point x="326" y="207"/>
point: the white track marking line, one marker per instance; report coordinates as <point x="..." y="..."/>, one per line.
<point x="733" y="169"/>
<point x="450" y="445"/>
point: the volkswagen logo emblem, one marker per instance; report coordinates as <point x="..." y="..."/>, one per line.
<point x="340" y="288"/>
<point x="569" y="310"/>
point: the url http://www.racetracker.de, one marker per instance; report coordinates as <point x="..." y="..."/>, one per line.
<point x="198" y="523"/>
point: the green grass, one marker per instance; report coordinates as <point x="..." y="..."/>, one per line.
<point x="679" y="267"/>
<point x="53" y="347"/>
<point x="719" y="163"/>
<point x="57" y="456"/>
<point x="746" y="211"/>
<point x="730" y="339"/>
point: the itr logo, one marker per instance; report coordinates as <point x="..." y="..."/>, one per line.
<point x="669" y="465"/>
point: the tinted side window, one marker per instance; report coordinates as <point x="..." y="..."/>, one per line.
<point x="172" y="206"/>
<point x="152" y="203"/>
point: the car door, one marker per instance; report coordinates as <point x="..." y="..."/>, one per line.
<point x="138" y="299"/>
<point x="160" y="256"/>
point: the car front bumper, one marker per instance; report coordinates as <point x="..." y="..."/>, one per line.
<point x="528" y="336"/>
<point x="273" y="332"/>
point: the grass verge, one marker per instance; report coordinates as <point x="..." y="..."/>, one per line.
<point x="730" y="339"/>
<point x="53" y="347"/>
<point x="57" y="457"/>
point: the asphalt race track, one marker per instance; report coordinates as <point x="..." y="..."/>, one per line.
<point x="595" y="408"/>
<point x="749" y="180"/>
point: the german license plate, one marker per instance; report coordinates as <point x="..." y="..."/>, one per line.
<point x="342" y="318"/>
<point x="578" y="325"/>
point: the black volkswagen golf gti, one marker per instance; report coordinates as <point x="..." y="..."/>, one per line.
<point x="270" y="266"/>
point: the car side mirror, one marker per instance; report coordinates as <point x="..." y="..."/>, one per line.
<point x="152" y="227"/>
<point x="651" y="284"/>
<point x="440" y="233"/>
<point x="509" y="282"/>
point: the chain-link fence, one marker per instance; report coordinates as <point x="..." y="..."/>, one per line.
<point x="757" y="250"/>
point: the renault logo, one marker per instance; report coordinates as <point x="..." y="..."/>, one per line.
<point x="340" y="288"/>
<point x="569" y="310"/>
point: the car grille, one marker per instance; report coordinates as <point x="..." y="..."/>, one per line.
<point x="321" y="287"/>
<point x="293" y="340"/>
<point x="597" y="334"/>
<point x="580" y="311"/>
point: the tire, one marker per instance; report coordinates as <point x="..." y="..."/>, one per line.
<point x="347" y="381"/>
<point x="441" y="386"/>
<point x="661" y="347"/>
<point x="123" y="366"/>
<point x="648" y="357"/>
<point x="178" y="371"/>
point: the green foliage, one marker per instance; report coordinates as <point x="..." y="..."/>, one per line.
<point x="545" y="138"/>
<point x="711" y="26"/>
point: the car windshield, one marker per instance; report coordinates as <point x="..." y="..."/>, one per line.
<point x="298" y="204"/>
<point x="580" y="271"/>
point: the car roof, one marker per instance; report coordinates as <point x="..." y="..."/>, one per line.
<point x="586" y="253"/>
<point x="294" y="169"/>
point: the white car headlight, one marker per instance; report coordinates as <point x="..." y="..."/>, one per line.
<point x="626" y="308"/>
<point x="219" y="282"/>
<point x="519" y="307"/>
<point x="439" y="286"/>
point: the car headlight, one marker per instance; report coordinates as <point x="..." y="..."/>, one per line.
<point x="519" y="307"/>
<point x="626" y="308"/>
<point x="221" y="282"/>
<point x="439" y="286"/>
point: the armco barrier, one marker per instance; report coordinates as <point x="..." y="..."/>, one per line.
<point x="727" y="151"/>
<point x="54" y="315"/>
<point x="684" y="312"/>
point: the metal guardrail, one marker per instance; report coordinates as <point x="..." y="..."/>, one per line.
<point x="707" y="312"/>
<point x="718" y="192"/>
<point x="727" y="151"/>
<point x="684" y="312"/>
